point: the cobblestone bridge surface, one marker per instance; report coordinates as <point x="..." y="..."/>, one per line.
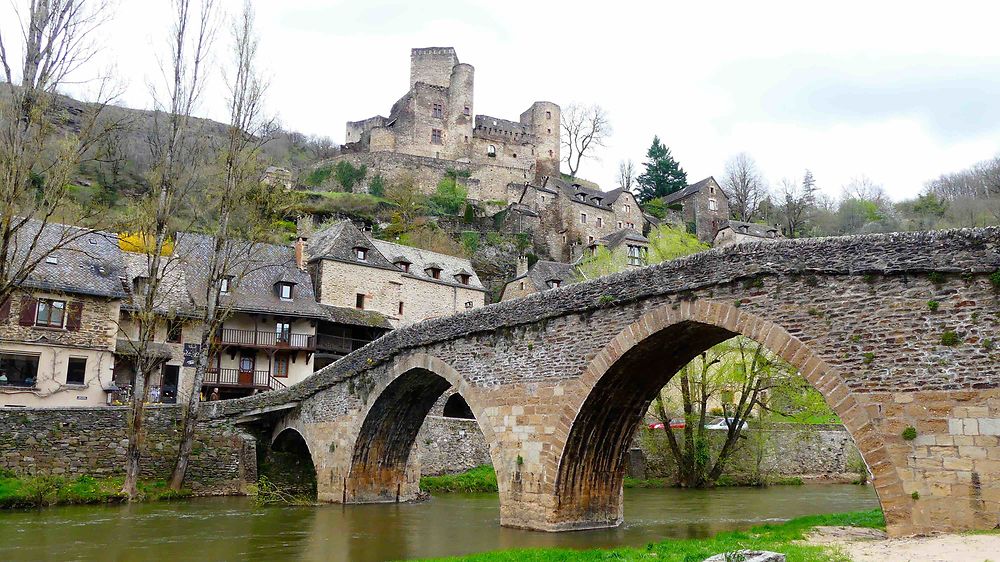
<point x="558" y="380"/>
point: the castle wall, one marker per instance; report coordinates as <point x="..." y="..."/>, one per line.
<point x="432" y="65"/>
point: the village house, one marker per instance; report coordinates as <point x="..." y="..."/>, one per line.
<point x="57" y="331"/>
<point x="735" y="232"/>
<point x="402" y="283"/>
<point x="705" y="208"/>
<point x="540" y="276"/>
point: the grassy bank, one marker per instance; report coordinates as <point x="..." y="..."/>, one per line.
<point x="779" y="538"/>
<point x="40" y="491"/>
<point x="479" y="479"/>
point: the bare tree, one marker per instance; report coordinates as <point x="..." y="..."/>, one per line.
<point x="585" y="128"/>
<point x="863" y="188"/>
<point x="795" y="202"/>
<point x="626" y="174"/>
<point x="238" y="209"/>
<point x="41" y="147"/>
<point x="743" y="185"/>
<point x="176" y="153"/>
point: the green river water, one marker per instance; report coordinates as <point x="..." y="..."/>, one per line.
<point x="210" y="529"/>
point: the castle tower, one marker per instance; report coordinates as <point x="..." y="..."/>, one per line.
<point x="460" y="116"/>
<point x="543" y="118"/>
<point x="432" y="65"/>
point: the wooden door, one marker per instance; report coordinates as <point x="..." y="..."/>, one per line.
<point x="247" y="361"/>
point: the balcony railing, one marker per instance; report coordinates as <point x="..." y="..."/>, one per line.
<point x="339" y="344"/>
<point x="242" y="379"/>
<point x="261" y="338"/>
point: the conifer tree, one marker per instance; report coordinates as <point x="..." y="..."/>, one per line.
<point x="663" y="174"/>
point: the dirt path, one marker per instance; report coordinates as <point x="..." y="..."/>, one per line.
<point x="870" y="545"/>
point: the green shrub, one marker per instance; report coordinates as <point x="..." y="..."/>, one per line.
<point x="949" y="338"/>
<point x="933" y="305"/>
<point x="347" y="175"/>
<point x="915" y="495"/>
<point x="470" y="241"/>
<point x="910" y="433"/>
<point x="869" y="358"/>
<point x="995" y="280"/>
<point x="936" y="277"/>
<point x="376" y="186"/>
<point x="318" y="176"/>
<point x="449" y="197"/>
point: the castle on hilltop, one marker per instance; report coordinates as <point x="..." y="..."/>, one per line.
<point x="433" y="128"/>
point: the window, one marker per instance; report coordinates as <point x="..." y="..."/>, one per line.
<point x="404" y="265"/>
<point x="434" y="272"/>
<point x="711" y="189"/>
<point x="590" y="239"/>
<point x="285" y="291"/>
<point x="491" y="151"/>
<point x="437" y="110"/>
<point x="174" y="331"/>
<point x="469" y="304"/>
<point x="52" y="260"/>
<point x="467" y="111"/>
<point x="225" y="284"/>
<point x="522" y="285"/>
<point x="282" y="332"/>
<point x="600" y="221"/>
<point x="281" y="365"/>
<point x="713" y="205"/>
<point x="549" y="131"/>
<point x="628" y="208"/>
<point x="554" y="283"/>
<point x="76" y="370"/>
<point x="550" y="154"/>
<point x="18" y="370"/>
<point x="400" y="308"/>
<point x="359" y="301"/>
<point x="50" y="313"/>
<point x="463" y="278"/>
<point x="635" y="255"/>
<point x="583" y="218"/>
<point x="361" y="254"/>
<point x="466" y="139"/>
<point x="630" y="224"/>
<point x="619" y="224"/>
<point x="435" y="136"/>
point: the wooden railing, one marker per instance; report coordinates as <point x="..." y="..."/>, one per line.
<point x="235" y="377"/>
<point x="262" y="338"/>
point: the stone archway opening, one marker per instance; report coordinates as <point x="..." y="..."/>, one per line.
<point x="456" y="407"/>
<point x="289" y="465"/>
<point x="593" y="464"/>
<point x="382" y="452"/>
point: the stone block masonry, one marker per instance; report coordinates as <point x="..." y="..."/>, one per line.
<point x="450" y="446"/>
<point x="91" y="441"/>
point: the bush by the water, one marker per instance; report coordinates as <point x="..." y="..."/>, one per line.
<point x="479" y="479"/>
<point x="46" y="490"/>
<point x="785" y="538"/>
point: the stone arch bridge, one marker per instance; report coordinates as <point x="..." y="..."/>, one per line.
<point x="559" y="380"/>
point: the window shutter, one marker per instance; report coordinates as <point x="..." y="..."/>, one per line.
<point x="29" y="306"/>
<point x="5" y="310"/>
<point x="75" y="316"/>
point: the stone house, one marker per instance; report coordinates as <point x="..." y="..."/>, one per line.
<point x="402" y="283"/>
<point x="433" y="127"/>
<point x="735" y="232"/>
<point x="625" y="244"/>
<point x="705" y="207"/>
<point x="57" y="331"/>
<point x="541" y="276"/>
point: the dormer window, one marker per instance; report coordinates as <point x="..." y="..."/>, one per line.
<point x="433" y="272"/>
<point x="554" y="283"/>
<point x="361" y="253"/>
<point x="140" y="285"/>
<point x="463" y="278"/>
<point x="225" y="284"/>
<point x="285" y="291"/>
<point x="404" y="265"/>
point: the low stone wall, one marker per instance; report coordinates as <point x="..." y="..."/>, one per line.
<point x="450" y="445"/>
<point x="92" y="441"/>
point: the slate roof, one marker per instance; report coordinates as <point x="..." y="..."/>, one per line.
<point x="590" y="196"/>
<point x="173" y="297"/>
<point x="420" y="260"/>
<point x="85" y="262"/>
<point x="544" y="271"/>
<point x="752" y="229"/>
<point x="260" y="266"/>
<point x="691" y="189"/>
<point x="619" y="237"/>
<point x="355" y="317"/>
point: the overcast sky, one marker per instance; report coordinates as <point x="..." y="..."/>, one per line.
<point x="899" y="91"/>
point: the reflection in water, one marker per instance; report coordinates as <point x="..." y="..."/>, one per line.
<point x="231" y="529"/>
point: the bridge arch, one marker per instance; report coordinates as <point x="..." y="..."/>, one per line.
<point x="620" y="382"/>
<point x="381" y="469"/>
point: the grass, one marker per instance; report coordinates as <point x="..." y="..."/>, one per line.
<point x="41" y="491"/>
<point x="782" y="538"/>
<point x="479" y="479"/>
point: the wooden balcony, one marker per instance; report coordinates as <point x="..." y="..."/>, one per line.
<point x="234" y="378"/>
<point x="265" y="340"/>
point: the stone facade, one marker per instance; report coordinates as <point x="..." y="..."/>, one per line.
<point x="450" y="445"/>
<point x="91" y="441"/>
<point x="705" y="208"/>
<point x="558" y="380"/>
<point x="435" y="121"/>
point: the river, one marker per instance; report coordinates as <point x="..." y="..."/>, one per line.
<point x="207" y="529"/>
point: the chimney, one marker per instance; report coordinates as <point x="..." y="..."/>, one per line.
<point x="300" y="252"/>
<point x="522" y="266"/>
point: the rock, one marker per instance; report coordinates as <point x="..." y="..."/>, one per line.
<point x="748" y="556"/>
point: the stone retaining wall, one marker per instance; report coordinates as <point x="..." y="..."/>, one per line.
<point x="92" y="441"/>
<point x="450" y="445"/>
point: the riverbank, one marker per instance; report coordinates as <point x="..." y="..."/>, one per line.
<point x="788" y="538"/>
<point x="871" y="545"/>
<point x="46" y="490"/>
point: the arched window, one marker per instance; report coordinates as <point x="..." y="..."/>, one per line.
<point x="457" y="407"/>
<point x="491" y="151"/>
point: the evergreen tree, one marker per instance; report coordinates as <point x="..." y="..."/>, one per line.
<point x="663" y="174"/>
<point x="809" y="182"/>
